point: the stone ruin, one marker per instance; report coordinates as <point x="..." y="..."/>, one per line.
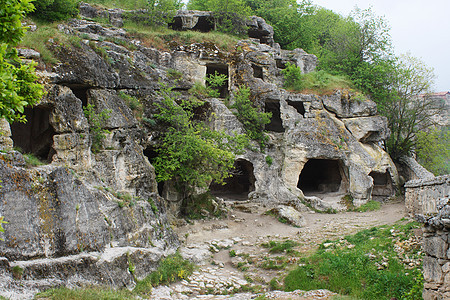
<point x="89" y="214"/>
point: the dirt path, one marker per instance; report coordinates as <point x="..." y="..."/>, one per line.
<point x="234" y="257"/>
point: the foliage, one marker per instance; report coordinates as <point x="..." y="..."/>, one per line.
<point x="202" y="206"/>
<point x="2" y="221"/>
<point x="251" y="118"/>
<point x="18" y="87"/>
<point x="93" y="293"/>
<point x="229" y="15"/>
<point x="171" y="269"/>
<point x="190" y="152"/>
<point x="160" y="37"/>
<point x="280" y="247"/>
<point x="123" y="4"/>
<point x="269" y="160"/>
<point x="32" y="160"/>
<point x="215" y="82"/>
<point x="406" y="111"/>
<point x="318" y="81"/>
<point x="369" y="269"/>
<point x="133" y="103"/>
<point x="371" y="205"/>
<point x="55" y="10"/>
<point x="433" y="150"/>
<point x="97" y="122"/>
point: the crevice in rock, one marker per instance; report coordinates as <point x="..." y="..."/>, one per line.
<point x="239" y="185"/>
<point x="382" y="185"/>
<point x="211" y="69"/>
<point x="276" y="124"/>
<point x="36" y="135"/>
<point x="80" y="91"/>
<point x="321" y="176"/>
<point x="151" y="154"/>
<point x="298" y="105"/>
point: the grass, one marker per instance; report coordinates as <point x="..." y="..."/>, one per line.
<point x="38" y="40"/>
<point x="32" y="161"/>
<point x="372" y="205"/>
<point x="280" y="247"/>
<point x="317" y="82"/>
<point x="123" y="4"/>
<point x="93" y="293"/>
<point x="171" y="269"/>
<point x="160" y="37"/>
<point x="355" y="271"/>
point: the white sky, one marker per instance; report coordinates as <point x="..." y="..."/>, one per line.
<point x="421" y="27"/>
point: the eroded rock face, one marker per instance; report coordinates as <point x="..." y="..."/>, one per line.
<point x="90" y="205"/>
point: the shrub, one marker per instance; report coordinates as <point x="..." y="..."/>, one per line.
<point x="171" y="269"/>
<point x="97" y="122"/>
<point x="251" y="118"/>
<point x="318" y="81"/>
<point x="55" y="10"/>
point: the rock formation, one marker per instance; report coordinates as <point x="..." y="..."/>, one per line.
<point x="85" y="215"/>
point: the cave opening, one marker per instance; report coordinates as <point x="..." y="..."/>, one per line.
<point x="382" y="185"/>
<point x="81" y="92"/>
<point x="276" y="124"/>
<point x="36" y="135"/>
<point x="151" y="154"/>
<point x="239" y="185"/>
<point x="257" y="71"/>
<point x="321" y="176"/>
<point x="212" y="69"/>
<point x="298" y="105"/>
<point x="280" y="63"/>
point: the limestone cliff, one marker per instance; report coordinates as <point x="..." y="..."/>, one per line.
<point x="84" y="215"/>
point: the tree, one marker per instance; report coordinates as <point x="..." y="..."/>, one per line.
<point x="407" y="112"/>
<point x="432" y="150"/>
<point x="163" y="11"/>
<point x="190" y="153"/>
<point x="55" y="10"/>
<point x="18" y="87"/>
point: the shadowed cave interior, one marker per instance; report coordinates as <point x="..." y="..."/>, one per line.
<point x="239" y="185"/>
<point x="36" y="135"/>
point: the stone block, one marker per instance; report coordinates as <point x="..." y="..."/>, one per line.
<point x="436" y="247"/>
<point x="432" y="271"/>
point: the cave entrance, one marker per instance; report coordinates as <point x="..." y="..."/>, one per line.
<point x="81" y="92"/>
<point x="36" y="135"/>
<point x="382" y="185"/>
<point x="211" y="69"/>
<point x="204" y="24"/>
<point x="321" y="176"/>
<point x="298" y="105"/>
<point x="241" y="182"/>
<point x="257" y="71"/>
<point x="276" y="124"/>
<point x="151" y="154"/>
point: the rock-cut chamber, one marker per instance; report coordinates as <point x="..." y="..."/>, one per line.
<point x="321" y="176"/>
<point x="239" y="185"/>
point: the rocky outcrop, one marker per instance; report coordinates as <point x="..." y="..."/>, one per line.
<point x="97" y="199"/>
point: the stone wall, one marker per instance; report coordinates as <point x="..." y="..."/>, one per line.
<point x="421" y="195"/>
<point x="436" y="263"/>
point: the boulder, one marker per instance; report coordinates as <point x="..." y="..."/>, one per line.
<point x="368" y="129"/>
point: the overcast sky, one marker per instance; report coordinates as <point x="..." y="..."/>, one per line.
<point x="421" y="27"/>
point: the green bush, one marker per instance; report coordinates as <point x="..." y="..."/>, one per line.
<point x="251" y="118"/>
<point x="55" y="10"/>
<point x="317" y="81"/>
<point x="97" y="122"/>
<point x="171" y="269"/>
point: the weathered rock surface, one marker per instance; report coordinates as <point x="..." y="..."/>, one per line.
<point x="105" y="201"/>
